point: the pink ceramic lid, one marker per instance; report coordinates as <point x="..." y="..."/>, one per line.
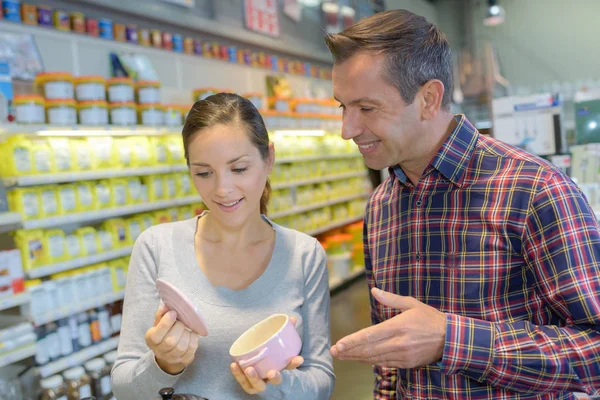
<point x="186" y="311"/>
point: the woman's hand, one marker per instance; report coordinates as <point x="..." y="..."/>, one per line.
<point x="252" y="383"/>
<point x="173" y="344"/>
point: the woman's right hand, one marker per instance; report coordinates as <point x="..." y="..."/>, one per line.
<point x="174" y="345"/>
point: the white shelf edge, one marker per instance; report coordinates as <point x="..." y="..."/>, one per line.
<point x="108" y="213"/>
<point x="63" y="177"/>
<point x="336" y="284"/>
<point x="17" y="355"/>
<point x="9" y="221"/>
<point x="320" y="179"/>
<point x="316" y="158"/>
<point x="14" y="300"/>
<point x="64" y="313"/>
<point x="303" y="209"/>
<point x="78" y="358"/>
<point x="87" y="130"/>
<point x="51" y="269"/>
<point x="334" y="225"/>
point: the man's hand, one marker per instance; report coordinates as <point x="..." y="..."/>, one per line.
<point x="412" y="339"/>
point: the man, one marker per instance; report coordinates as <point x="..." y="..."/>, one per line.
<point x="483" y="260"/>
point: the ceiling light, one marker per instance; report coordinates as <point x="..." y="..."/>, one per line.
<point x="494" y="14"/>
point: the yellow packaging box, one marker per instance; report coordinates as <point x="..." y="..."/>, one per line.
<point x="31" y="245"/>
<point x="135" y="190"/>
<point x="184" y="213"/>
<point x="117" y="228"/>
<point x="171" y="186"/>
<point x="123" y="149"/>
<point x="158" y="150"/>
<point x="105" y="240"/>
<point x="89" y="240"/>
<point x="54" y="241"/>
<point x="25" y="201"/>
<point x="118" y="271"/>
<point x="162" y="217"/>
<point x="102" y="191"/>
<point x="64" y="158"/>
<point x="184" y="184"/>
<point x="67" y="199"/>
<point x="43" y="157"/>
<point x="17" y="156"/>
<point x="174" y="144"/>
<point x="74" y="246"/>
<point x="156" y="187"/>
<point x="133" y="228"/>
<point x="85" y="197"/>
<point x="141" y="155"/>
<point x="49" y="200"/>
<point x="147" y="220"/>
<point x="119" y="193"/>
<point x="81" y="151"/>
<point x="104" y="155"/>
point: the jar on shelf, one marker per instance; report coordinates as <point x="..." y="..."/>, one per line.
<point x="55" y="85"/>
<point x="53" y="388"/>
<point x="203" y="93"/>
<point x="94" y="113"/>
<point x="29" y="109"/>
<point x="120" y="90"/>
<point x="78" y="384"/>
<point x="123" y="114"/>
<point x="148" y="92"/>
<point x="100" y="375"/>
<point x="90" y="88"/>
<point x="151" y="114"/>
<point x="173" y="115"/>
<point x="61" y="112"/>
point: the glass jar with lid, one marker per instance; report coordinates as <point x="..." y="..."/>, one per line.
<point x="78" y="383"/>
<point x="100" y="374"/>
<point x="53" y="388"/>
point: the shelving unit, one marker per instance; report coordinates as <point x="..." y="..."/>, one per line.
<point x="91" y="216"/>
<point x="17" y="355"/>
<point x="334" y="225"/>
<point x="77" y="308"/>
<point x="64" y="177"/>
<point x="78" y="262"/>
<point x="303" y="209"/>
<point x="9" y="221"/>
<point x="337" y="284"/>
<point x="320" y="179"/>
<point x="14" y="300"/>
<point x="78" y="358"/>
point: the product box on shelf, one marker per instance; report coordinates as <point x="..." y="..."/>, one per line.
<point x="11" y="273"/>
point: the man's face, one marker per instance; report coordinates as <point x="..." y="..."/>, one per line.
<point x="376" y="117"/>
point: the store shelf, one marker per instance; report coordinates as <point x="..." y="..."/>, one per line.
<point x="17" y="355"/>
<point x="303" y="209"/>
<point x="108" y="213"/>
<point x="84" y="130"/>
<point x="14" y="300"/>
<point x="336" y="284"/>
<point x="78" y="358"/>
<point x="334" y="225"/>
<point x="77" y="308"/>
<point x="320" y="179"/>
<point x="9" y="221"/>
<point x="47" y="179"/>
<point x="78" y="262"/>
<point x="322" y="157"/>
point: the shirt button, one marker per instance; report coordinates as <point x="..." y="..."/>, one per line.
<point x="418" y="257"/>
<point x="419" y="202"/>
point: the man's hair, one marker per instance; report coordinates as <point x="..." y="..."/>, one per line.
<point x="415" y="50"/>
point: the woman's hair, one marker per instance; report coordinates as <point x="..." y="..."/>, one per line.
<point x="229" y="109"/>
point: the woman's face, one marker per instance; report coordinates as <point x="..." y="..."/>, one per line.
<point x="229" y="172"/>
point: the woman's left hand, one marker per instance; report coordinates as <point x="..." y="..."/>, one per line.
<point x="252" y="383"/>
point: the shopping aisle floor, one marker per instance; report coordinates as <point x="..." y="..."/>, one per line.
<point x="350" y="313"/>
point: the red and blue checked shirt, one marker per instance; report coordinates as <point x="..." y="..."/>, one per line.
<point x="507" y="246"/>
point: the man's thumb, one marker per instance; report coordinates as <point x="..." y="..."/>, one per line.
<point x="402" y="303"/>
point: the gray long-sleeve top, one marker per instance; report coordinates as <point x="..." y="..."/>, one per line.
<point x="294" y="283"/>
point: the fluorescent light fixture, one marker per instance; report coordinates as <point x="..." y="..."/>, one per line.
<point x="300" y="132"/>
<point x="592" y="125"/>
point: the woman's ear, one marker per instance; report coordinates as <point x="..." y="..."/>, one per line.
<point x="271" y="161"/>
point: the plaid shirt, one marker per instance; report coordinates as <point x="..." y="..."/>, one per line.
<point x="507" y="246"/>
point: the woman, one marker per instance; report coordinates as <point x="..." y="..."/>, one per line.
<point x="235" y="264"/>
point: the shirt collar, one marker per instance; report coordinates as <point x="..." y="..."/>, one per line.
<point x="453" y="157"/>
